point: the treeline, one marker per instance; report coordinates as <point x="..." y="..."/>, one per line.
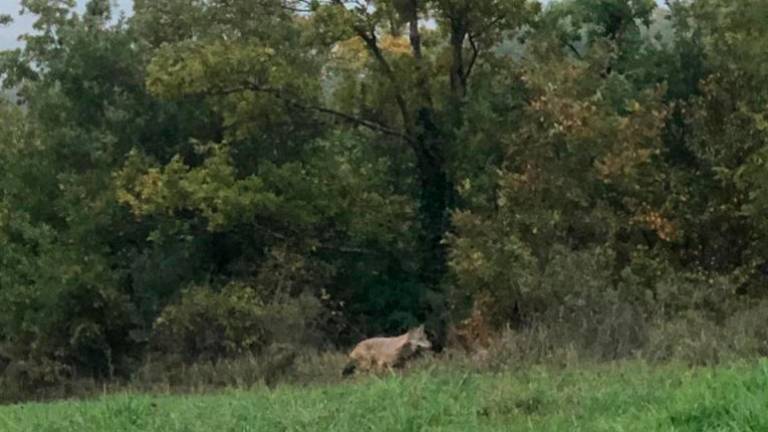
<point x="206" y="180"/>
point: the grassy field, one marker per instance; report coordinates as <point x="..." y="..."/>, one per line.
<point x="618" y="397"/>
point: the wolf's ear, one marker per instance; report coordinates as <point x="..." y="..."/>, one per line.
<point x="416" y="330"/>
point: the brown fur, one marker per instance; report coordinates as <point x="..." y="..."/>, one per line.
<point x="386" y="353"/>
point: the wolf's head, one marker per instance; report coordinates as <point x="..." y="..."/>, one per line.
<point x="418" y="338"/>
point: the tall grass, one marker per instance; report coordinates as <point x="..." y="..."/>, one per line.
<point x="630" y="396"/>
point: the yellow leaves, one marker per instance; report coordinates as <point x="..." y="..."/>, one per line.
<point x="527" y="179"/>
<point x="354" y="53"/>
<point x="396" y="45"/>
<point x="351" y="51"/>
<point x="564" y="115"/>
<point x="194" y="67"/>
<point x="657" y="222"/>
<point x="637" y="139"/>
<point x="570" y="117"/>
<point x="155" y="191"/>
<point x="560" y="107"/>
<point x="212" y="189"/>
<point x="621" y="162"/>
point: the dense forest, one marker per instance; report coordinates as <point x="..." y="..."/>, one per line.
<point x="206" y="179"/>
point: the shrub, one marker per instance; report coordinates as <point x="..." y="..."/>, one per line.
<point x="493" y="266"/>
<point x="747" y="330"/>
<point x="207" y="324"/>
<point x="24" y="379"/>
<point x="691" y="338"/>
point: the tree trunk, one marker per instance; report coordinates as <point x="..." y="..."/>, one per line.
<point x="458" y="76"/>
<point x="434" y="205"/>
<point x="434" y="208"/>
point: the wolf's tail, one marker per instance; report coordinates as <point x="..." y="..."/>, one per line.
<point x="349" y="369"/>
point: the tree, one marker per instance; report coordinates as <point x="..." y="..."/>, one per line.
<point x="69" y="300"/>
<point x="417" y="94"/>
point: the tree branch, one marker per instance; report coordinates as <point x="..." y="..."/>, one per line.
<point x="414" y="35"/>
<point x="496" y="20"/>
<point x="473" y="60"/>
<point x="474" y="44"/>
<point x="372" y="44"/>
<point x="294" y="102"/>
<point x="573" y="49"/>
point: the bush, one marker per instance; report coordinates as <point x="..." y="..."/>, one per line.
<point x="206" y="324"/>
<point x="747" y="330"/>
<point x="22" y="379"/>
<point x="492" y="266"/>
<point x="600" y="305"/>
<point x="574" y="295"/>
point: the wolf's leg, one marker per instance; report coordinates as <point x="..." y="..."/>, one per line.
<point x="380" y="366"/>
<point x="368" y="364"/>
<point x="386" y="366"/>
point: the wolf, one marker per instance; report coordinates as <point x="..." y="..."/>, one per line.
<point x="386" y="353"/>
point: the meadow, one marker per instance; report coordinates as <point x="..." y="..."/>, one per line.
<point x="628" y="396"/>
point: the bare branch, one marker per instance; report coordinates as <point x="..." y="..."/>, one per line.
<point x="473" y="60"/>
<point x="573" y="49"/>
<point x="474" y="42"/>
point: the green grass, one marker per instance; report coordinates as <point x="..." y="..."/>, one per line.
<point x="619" y="397"/>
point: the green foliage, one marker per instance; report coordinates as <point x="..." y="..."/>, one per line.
<point x="206" y="324"/>
<point x="574" y="175"/>
<point x="66" y="301"/>
<point x="615" y="19"/>
<point x="211" y="189"/>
